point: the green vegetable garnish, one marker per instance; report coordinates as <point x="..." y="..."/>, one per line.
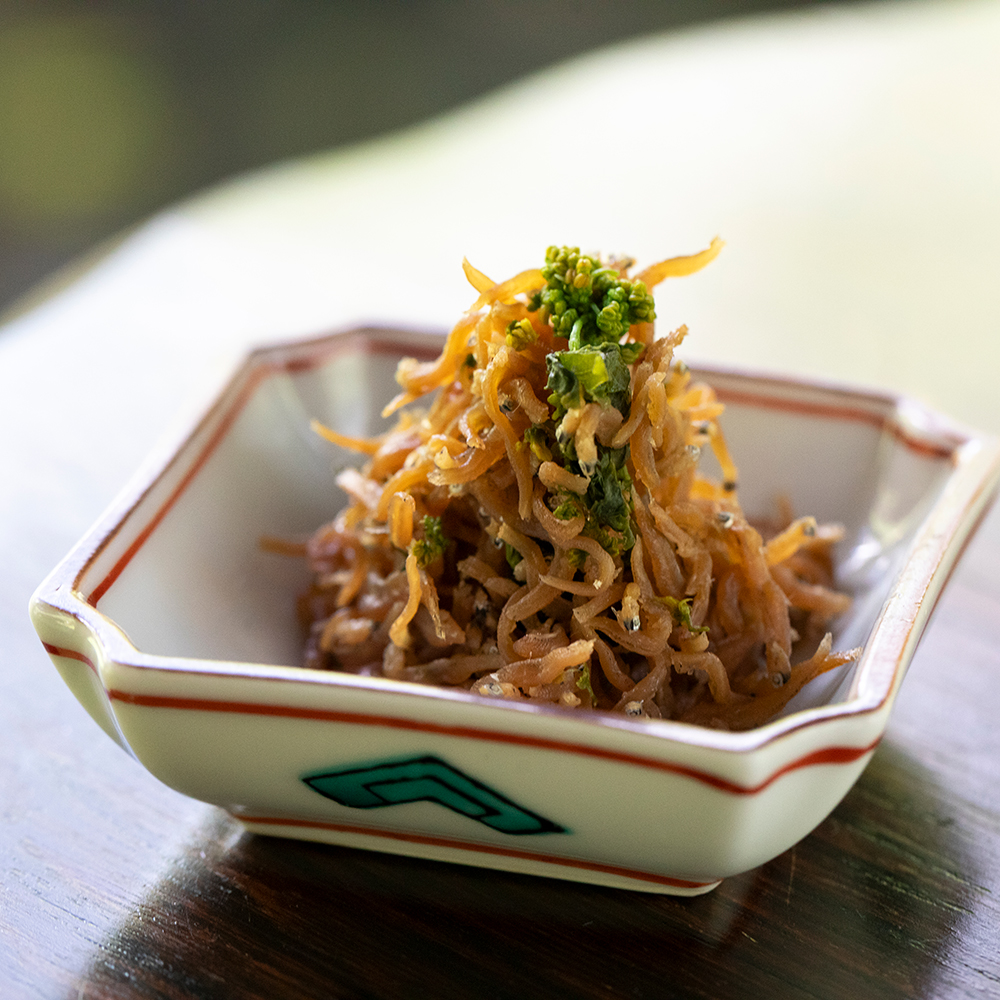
<point x="537" y="440"/>
<point x="607" y="504"/>
<point x="681" y="610"/>
<point x="588" y="303"/>
<point x="520" y="334"/>
<point x="609" y="496"/>
<point x="513" y="556"/>
<point x="584" y="684"/>
<point x="433" y="543"/>
<point x="569" y="506"/>
<point x="616" y="543"/>
<point x="593" y="306"/>
<point x="631" y="352"/>
<point x="590" y="374"/>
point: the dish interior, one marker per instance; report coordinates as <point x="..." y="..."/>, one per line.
<point x="185" y="574"/>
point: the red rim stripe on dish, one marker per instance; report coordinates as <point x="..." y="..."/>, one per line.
<point x="826" y="755"/>
<point x="218" y="434"/>
<point x="70" y="654"/>
<point x="255" y="377"/>
<point x="462" y="845"/>
<point x="920" y="446"/>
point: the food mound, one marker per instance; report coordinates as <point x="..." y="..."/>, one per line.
<point x="542" y="531"/>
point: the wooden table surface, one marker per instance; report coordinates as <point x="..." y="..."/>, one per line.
<point x="820" y="148"/>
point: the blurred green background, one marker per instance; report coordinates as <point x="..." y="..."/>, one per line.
<point x="110" y="110"/>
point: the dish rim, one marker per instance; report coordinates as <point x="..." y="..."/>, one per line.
<point x="933" y="552"/>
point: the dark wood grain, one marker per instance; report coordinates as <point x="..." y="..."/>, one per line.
<point x="116" y="887"/>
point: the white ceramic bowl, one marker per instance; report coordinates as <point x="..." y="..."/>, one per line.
<point x="177" y="632"/>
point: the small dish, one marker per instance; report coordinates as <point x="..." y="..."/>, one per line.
<point x="176" y="630"/>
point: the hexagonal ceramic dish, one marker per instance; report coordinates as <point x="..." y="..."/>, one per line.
<point x="177" y="632"/>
